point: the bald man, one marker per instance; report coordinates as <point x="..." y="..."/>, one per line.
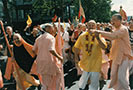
<point x="120" y="54"/>
<point x="44" y="48"/>
<point x="91" y="61"/>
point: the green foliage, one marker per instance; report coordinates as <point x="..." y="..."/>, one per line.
<point x="113" y="12"/>
<point x="99" y="10"/>
<point x="46" y="7"/>
<point x="42" y="7"/>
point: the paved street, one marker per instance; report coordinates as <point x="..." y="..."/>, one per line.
<point x="71" y="78"/>
<point x="75" y="87"/>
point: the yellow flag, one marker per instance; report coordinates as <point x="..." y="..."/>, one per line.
<point x="29" y="21"/>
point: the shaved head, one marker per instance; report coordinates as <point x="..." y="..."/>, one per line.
<point x="118" y="16"/>
<point x="92" y="24"/>
<point x="92" y="21"/>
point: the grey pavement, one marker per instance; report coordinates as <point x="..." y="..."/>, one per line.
<point x="75" y="87"/>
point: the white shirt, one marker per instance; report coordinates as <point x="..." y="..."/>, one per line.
<point x="65" y="37"/>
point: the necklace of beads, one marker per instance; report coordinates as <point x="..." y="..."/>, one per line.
<point x="91" y="41"/>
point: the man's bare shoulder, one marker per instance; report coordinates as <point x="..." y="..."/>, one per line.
<point x="38" y="37"/>
<point x="124" y="28"/>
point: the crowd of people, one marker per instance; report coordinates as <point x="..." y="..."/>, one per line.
<point x="99" y="51"/>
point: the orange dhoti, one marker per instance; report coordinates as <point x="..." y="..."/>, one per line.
<point x="9" y="69"/>
<point x="120" y="76"/>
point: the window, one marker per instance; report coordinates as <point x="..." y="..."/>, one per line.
<point x="21" y="14"/>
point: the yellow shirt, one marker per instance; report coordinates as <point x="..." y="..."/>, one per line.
<point x="93" y="62"/>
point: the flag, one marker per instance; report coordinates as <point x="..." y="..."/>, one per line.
<point x="123" y="14"/>
<point x="29" y="21"/>
<point x="54" y="18"/>
<point x="81" y="12"/>
<point x="60" y="52"/>
<point x="59" y="38"/>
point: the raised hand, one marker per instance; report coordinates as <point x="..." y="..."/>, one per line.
<point x="27" y="27"/>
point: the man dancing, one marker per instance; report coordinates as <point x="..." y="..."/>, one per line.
<point x="120" y="54"/>
<point x="91" y="60"/>
<point x="47" y="67"/>
<point x="24" y="58"/>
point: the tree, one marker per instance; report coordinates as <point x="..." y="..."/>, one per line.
<point x="48" y="8"/>
<point x="113" y="12"/>
<point x="99" y="10"/>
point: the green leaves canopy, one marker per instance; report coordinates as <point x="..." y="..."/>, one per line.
<point x="99" y="10"/>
